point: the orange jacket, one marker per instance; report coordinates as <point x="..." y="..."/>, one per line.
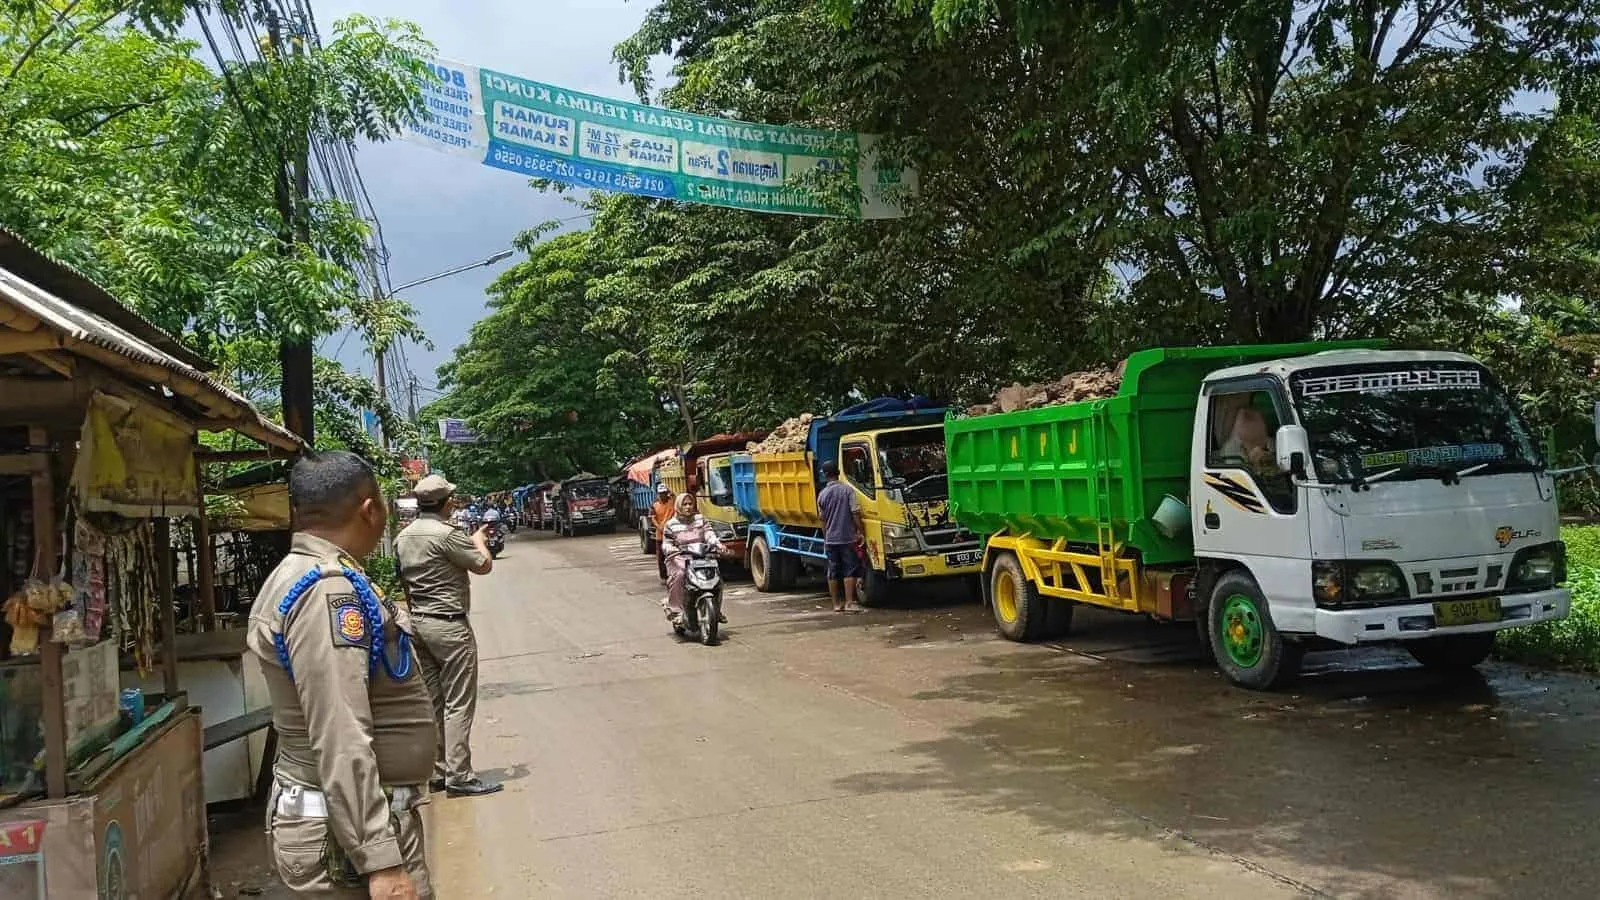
<point x="663" y="510"/>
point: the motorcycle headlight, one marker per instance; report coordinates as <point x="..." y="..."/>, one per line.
<point x="1540" y="567"/>
<point x="899" y="539"/>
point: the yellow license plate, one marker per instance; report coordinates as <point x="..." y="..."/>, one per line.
<point x="1447" y="613"/>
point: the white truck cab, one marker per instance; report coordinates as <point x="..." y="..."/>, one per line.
<point x="1358" y="496"/>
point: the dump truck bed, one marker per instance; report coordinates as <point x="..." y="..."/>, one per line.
<point x="1095" y="470"/>
<point x="776" y="487"/>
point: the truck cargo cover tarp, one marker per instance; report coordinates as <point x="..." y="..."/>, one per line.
<point x="639" y="472"/>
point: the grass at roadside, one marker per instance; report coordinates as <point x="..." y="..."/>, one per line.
<point x="1574" y="642"/>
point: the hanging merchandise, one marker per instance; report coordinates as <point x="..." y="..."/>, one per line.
<point x="89" y="578"/>
<point x="130" y="586"/>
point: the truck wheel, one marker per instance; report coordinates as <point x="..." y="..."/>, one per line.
<point x="876" y="589"/>
<point x="1248" y="647"/>
<point x="974" y="588"/>
<point x="1019" y="611"/>
<point x="762" y="565"/>
<point x="785" y="568"/>
<point x="1454" y="653"/>
<point x="647" y="541"/>
<point x="1057" y="617"/>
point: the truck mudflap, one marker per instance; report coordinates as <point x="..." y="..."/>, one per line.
<point x="1414" y="621"/>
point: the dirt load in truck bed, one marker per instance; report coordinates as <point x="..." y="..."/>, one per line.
<point x="1073" y="387"/>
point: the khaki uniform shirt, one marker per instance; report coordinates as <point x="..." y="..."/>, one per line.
<point x="340" y="730"/>
<point x="435" y="558"/>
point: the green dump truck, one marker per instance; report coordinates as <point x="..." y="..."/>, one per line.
<point x="1284" y="497"/>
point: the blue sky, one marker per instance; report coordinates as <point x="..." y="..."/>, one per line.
<point x="440" y="211"/>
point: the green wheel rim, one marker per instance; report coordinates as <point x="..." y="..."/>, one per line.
<point x="1243" y="632"/>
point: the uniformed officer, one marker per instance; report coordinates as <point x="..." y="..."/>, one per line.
<point x="434" y="558"/>
<point x="355" y="741"/>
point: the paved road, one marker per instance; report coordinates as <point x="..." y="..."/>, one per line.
<point x="911" y="753"/>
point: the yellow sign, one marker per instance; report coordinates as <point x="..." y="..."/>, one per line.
<point x="135" y="461"/>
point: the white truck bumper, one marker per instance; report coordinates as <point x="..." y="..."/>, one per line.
<point x="1416" y="620"/>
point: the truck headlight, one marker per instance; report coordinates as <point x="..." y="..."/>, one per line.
<point x="899" y="540"/>
<point x="1336" y="583"/>
<point x="1540" y="567"/>
<point x="723" y="530"/>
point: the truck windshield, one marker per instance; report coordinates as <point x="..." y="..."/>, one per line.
<point x="719" y="483"/>
<point x="588" y="490"/>
<point x="1410" y="420"/>
<point x="914" y="462"/>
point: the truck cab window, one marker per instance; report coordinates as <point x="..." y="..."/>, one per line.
<point x="856" y="464"/>
<point x="719" y="483"/>
<point x="1241" y="436"/>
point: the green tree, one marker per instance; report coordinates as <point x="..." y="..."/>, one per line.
<point x="177" y="187"/>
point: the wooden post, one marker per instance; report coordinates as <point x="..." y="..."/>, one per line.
<point x="205" y="560"/>
<point x="169" y="624"/>
<point x="50" y="652"/>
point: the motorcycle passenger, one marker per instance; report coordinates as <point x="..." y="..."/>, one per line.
<point x="685" y="528"/>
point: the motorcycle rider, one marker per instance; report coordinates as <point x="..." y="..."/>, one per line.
<point x="685" y="528"/>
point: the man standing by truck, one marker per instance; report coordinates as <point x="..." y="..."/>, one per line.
<point x="665" y="507"/>
<point x="842" y="529"/>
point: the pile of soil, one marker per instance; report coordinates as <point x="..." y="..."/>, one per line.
<point x="790" y="437"/>
<point x="1073" y="387"/>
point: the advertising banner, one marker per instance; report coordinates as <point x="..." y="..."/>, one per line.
<point x="134" y="461"/>
<point x="543" y="131"/>
<point x="455" y="431"/>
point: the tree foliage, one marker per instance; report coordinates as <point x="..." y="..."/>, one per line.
<point x="173" y="185"/>
<point x="1098" y="177"/>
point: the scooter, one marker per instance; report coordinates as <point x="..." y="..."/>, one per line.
<point x="702" y="595"/>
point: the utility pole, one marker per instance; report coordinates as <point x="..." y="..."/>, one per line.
<point x="379" y="344"/>
<point x="292" y="189"/>
<point x="412" y="390"/>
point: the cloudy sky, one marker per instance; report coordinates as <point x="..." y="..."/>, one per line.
<point x="440" y="211"/>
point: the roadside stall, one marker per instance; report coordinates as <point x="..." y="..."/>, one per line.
<point x="101" y="791"/>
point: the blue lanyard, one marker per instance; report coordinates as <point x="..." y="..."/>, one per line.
<point x="370" y="612"/>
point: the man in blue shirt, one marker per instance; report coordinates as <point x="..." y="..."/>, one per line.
<point x="841" y="533"/>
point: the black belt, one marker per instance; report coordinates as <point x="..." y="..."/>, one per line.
<point x="453" y="617"/>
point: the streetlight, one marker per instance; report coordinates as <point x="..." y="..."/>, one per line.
<point x="502" y="255"/>
<point x="377" y="297"/>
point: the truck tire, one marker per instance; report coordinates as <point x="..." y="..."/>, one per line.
<point x="1057" y="617"/>
<point x="647" y="540"/>
<point x="1453" y="653"/>
<point x="876" y="589"/>
<point x="1248" y="647"/>
<point x="1019" y="611"/>
<point x="763" y="567"/>
<point x="785" y="571"/>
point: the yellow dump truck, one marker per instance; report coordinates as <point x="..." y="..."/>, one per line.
<point x="891" y="453"/>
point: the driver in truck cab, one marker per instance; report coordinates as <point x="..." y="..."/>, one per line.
<point x="1250" y="442"/>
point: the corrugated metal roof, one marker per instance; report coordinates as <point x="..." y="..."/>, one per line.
<point x="83" y="332"/>
<point x="38" y="267"/>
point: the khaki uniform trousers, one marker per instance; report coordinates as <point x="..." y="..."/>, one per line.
<point x="310" y="864"/>
<point x="448" y="651"/>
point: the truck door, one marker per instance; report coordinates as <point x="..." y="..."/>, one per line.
<point x="855" y="464"/>
<point x="1244" y="507"/>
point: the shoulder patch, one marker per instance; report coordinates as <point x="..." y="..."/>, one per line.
<point x="349" y="622"/>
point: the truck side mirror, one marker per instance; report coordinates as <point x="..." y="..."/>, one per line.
<point x="1294" y="448"/>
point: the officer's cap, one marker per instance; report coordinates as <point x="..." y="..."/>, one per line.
<point x="433" y="488"/>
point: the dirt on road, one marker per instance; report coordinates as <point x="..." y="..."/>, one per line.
<point x="910" y="752"/>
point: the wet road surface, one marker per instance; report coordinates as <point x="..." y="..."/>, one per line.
<point x="909" y="752"/>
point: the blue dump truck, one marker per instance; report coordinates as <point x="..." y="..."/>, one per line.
<point x="891" y="453"/>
